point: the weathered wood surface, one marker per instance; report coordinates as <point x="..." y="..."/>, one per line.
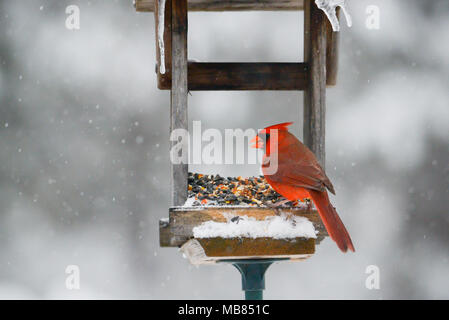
<point x="333" y="40"/>
<point x="212" y="250"/>
<point x="164" y="80"/>
<point x="315" y="35"/>
<point x="247" y="76"/>
<point x="244" y="247"/>
<point x="244" y="76"/>
<point x="179" y="228"/>
<point x="179" y="92"/>
<point x="228" y="5"/>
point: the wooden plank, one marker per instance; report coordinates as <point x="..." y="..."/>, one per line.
<point x="166" y="234"/>
<point x="229" y="5"/>
<point x="246" y="247"/>
<point x="164" y="80"/>
<point x="207" y="251"/>
<point x="245" y="76"/>
<point x="315" y="94"/>
<point x="182" y="220"/>
<point x="179" y="92"/>
<point x="333" y="40"/>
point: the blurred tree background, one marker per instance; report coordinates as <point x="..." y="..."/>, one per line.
<point x="84" y="155"/>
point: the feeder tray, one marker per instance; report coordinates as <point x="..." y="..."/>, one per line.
<point x="206" y="193"/>
<point x="177" y="231"/>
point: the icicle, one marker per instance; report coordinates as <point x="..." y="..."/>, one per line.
<point x="160" y="35"/>
<point x="329" y="8"/>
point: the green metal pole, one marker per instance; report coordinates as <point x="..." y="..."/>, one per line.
<point x="253" y="277"/>
<point x="254" y="295"/>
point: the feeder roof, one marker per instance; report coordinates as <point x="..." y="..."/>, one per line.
<point x="230" y="5"/>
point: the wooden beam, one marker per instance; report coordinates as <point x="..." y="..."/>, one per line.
<point x="333" y="40"/>
<point x="164" y="79"/>
<point x="245" y="76"/>
<point x="178" y="97"/>
<point x="179" y="228"/>
<point x="315" y="94"/>
<point x="213" y="250"/>
<point x="229" y="5"/>
<point x="246" y="247"/>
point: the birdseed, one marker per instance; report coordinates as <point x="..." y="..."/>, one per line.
<point x="207" y="190"/>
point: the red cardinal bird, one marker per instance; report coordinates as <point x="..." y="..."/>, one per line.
<point x="299" y="176"/>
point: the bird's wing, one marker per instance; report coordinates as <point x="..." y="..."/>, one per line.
<point x="302" y="175"/>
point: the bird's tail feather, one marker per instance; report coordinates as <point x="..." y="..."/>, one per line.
<point x="332" y="221"/>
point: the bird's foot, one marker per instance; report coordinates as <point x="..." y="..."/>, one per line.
<point x="278" y="204"/>
<point x="308" y="204"/>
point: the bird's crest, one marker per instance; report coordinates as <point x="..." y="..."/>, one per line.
<point x="280" y="126"/>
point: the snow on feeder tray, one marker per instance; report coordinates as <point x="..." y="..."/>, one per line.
<point x="239" y="218"/>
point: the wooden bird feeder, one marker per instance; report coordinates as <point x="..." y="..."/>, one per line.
<point x="251" y="256"/>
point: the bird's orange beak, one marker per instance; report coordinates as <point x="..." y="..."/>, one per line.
<point x="257" y="142"/>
